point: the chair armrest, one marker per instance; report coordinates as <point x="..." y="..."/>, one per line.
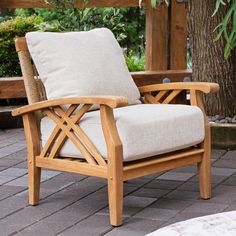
<point x="199" y="86"/>
<point x="110" y="101"/>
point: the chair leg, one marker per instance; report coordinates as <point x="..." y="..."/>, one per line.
<point x="115" y="195"/>
<point x="34" y="175"/>
<point x="204" y="168"/>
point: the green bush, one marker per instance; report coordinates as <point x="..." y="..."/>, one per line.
<point x="9" y="31"/>
<point x="128" y="24"/>
<point x="12" y="29"/>
<point x="135" y="62"/>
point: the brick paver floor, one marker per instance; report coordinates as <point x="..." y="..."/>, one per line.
<point x="77" y="205"/>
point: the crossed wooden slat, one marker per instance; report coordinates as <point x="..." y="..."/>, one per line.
<point x="67" y="127"/>
<point x="162" y="96"/>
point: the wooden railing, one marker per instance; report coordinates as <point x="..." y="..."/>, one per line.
<point x="14" y="87"/>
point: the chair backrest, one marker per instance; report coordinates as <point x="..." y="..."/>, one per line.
<point x="34" y="87"/>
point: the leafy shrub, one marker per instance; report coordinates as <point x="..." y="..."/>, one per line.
<point x="135" y="62"/>
<point x="12" y="29"/>
<point x="9" y="31"/>
<point x="128" y="24"/>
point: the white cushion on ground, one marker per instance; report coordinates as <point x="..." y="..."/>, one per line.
<point x="81" y="64"/>
<point x="145" y="130"/>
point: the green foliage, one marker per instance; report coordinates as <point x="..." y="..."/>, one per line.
<point x="227" y="27"/>
<point x="12" y="29"/>
<point x="135" y="62"/>
<point x="122" y="22"/>
<point x="155" y="2"/>
<point x="9" y="31"/>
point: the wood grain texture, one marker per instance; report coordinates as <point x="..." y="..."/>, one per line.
<point x="115" y="165"/>
<point x="12" y="88"/>
<point x="208" y="59"/>
<point x="178" y="36"/>
<point x="156" y="77"/>
<point x="32" y="135"/>
<point x="156" y="37"/>
<point x="78" y="3"/>
<point x="200" y="86"/>
<point x="111" y="101"/>
<point x="21" y="45"/>
<point x="72" y="166"/>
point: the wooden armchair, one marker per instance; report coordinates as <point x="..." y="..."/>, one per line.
<point x="70" y="126"/>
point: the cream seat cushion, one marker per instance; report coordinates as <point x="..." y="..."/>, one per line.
<point x="145" y="130"/>
<point x="81" y="64"/>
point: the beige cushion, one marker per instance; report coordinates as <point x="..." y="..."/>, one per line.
<point x="81" y="64"/>
<point x="145" y="130"/>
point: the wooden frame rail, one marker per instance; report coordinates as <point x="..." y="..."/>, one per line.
<point x="78" y="3"/>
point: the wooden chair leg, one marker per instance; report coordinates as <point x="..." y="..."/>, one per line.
<point x="33" y="149"/>
<point x="115" y="196"/>
<point x="204" y="168"/>
<point x="115" y="165"/>
<point x="34" y="176"/>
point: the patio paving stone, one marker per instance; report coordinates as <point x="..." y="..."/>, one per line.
<point x="150" y="192"/>
<point x="156" y="214"/>
<point x="163" y="184"/>
<point x="183" y="195"/>
<point x="171" y="204"/>
<point x="206" y="207"/>
<point x="230" y="155"/>
<point x="137" y="227"/>
<point x="225" y="163"/>
<point x="176" y="176"/>
<point x="74" y="204"/>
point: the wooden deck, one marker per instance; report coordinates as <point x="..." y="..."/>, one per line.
<point x="77" y="205"/>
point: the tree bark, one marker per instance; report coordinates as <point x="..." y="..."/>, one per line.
<point x="208" y="57"/>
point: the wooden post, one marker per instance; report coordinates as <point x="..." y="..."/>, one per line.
<point x="156" y="37"/>
<point x="178" y="41"/>
<point x="178" y="36"/>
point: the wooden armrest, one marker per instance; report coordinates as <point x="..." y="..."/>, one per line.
<point x="200" y="86"/>
<point x="111" y="101"/>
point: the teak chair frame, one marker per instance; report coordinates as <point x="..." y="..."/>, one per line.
<point x="113" y="168"/>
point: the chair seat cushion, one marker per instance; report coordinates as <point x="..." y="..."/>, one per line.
<point x="145" y="130"/>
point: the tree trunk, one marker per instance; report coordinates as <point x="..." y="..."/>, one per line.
<point x="208" y="57"/>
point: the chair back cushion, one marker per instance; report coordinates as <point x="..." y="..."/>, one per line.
<point x="81" y="64"/>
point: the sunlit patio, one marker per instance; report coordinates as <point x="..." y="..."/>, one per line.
<point x="73" y="204"/>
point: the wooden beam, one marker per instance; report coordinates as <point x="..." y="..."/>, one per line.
<point x="178" y="36"/>
<point x="156" y="37"/>
<point x="12" y="88"/>
<point x="78" y="3"/>
<point x="156" y="77"/>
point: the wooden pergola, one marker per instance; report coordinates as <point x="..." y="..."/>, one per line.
<point x="166" y="40"/>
